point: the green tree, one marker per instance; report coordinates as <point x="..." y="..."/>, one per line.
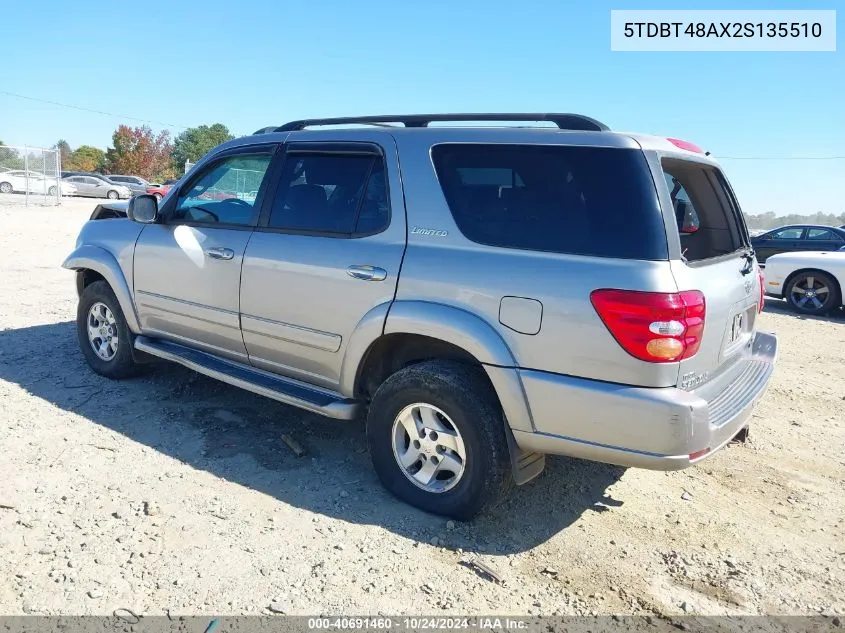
<point x="196" y="142"/>
<point x="9" y="157"/>
<point x="769" y="220"/>
<point x="64" y="151"/>
<point x="85" y="158"/>
<point x="137" y="151"/>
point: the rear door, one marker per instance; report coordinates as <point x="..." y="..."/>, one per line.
<point x="821" y="239"/>
<point x="327" y="251"/>
<point x="717" y="261"/>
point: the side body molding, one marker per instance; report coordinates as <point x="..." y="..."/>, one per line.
<point x="452" y="325"/>
<point x="103" y="262"/>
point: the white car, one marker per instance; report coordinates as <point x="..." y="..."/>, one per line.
<point x="34" y="182"/>
<point x="810" y="281"/>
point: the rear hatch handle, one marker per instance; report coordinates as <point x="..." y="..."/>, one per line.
<point x="748" y="256"/>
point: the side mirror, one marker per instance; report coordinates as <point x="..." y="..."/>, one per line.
<point x="143" y="208"/>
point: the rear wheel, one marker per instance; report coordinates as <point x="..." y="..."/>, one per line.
<point x="812" y="292"/>
<point x="158" y="196"/>
<point x="5" y="187"/>
<point x="112" y="195"/>
<point x="104" y="337"/>
<point x="52" y="190"/>
<point x="437" y="440"/>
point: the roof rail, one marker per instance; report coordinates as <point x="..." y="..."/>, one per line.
<point x="563" y="121"/>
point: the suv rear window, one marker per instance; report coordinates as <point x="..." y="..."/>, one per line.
<point x="707" y="215"/>
<point x="561" y="199"/>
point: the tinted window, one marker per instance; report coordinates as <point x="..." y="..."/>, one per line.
<point x="788" y="234"/>
<point x="326" y="193"/>
<point x="580" y="200"/>
<point x="821" y="234"/>
<point x="224" y="192"/>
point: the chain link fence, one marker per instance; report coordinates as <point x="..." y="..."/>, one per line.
<point x="31" y="175"/>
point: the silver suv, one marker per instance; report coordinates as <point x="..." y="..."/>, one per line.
<point x="484" y="295"/>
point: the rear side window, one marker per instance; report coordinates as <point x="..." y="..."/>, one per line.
<point x="707" y="216"/>
<point x="560" y="199"/>
<point x="823" y="234"/>
<point x="331" y="194"/>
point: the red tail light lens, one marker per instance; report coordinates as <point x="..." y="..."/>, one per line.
<point x="762" y="301"/>
<point x="656" y="327"/>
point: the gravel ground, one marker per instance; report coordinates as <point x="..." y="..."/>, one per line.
<point x="173" y="492"/>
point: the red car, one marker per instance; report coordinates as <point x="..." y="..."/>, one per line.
<point x="159" y="191"/>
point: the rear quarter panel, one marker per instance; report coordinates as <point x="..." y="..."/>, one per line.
<point x="445" y="267"/>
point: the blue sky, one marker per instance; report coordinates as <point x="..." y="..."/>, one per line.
<point x="259" y="62"/>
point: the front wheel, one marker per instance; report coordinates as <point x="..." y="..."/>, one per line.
<point x="112" y="195"/>
<point x="5" y="187"/>
<point x="812" y="292"/>
<point x="158" y="197"/>
<point x="437" y="438"/>
<point x="52" y="191"/>
<point x="104" y="337"/>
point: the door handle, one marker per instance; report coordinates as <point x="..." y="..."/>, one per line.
<point x="218" y="252"/>
<point x="367" y="273"/>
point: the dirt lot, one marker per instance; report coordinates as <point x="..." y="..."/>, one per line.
<point x="175" y="492"/>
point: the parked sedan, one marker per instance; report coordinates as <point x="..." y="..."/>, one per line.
<point x="811" y="282"/>
<point x="33" y="182"/>
<point x="99" y="187"/>
<point x="798" y="237"/>
<point x="160" y="190"/>
<point x="136" y="184"/>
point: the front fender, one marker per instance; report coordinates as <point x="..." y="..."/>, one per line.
<point x="99" y="260"/>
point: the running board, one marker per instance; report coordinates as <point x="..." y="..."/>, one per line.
<point x="255" y="380"/>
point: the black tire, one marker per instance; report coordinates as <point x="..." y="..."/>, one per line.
<point x="158" y="196"/>
<point x="52" y="191"/>
<point x="112" y="195"/>
<point x="462" y="393"/>
<point x="121" y="365"/>
<point x="5" y="187"/>
<point x="824" y="302"/>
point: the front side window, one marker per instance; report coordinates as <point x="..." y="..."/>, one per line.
<point x="788" y="234"/>
<point x="331" y="193"/>
<point x="224" y="192"/>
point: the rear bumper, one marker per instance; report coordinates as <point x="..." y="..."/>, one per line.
<point x="658" y="429"/>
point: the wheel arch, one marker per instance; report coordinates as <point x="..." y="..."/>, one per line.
<point x="93" y="263"/>
<point x="390" y="337"/>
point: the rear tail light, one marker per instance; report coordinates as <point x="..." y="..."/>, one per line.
<point x="658" y="327"/>
<point x="762" y="301"/>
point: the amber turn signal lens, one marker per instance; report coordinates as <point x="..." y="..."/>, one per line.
<point x="665" y="347"/>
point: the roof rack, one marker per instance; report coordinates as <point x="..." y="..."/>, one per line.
<point x="563" y="121"/>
